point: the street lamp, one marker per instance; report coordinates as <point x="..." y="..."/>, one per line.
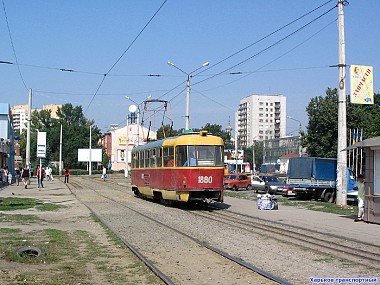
<point x="188" y="89"/>
<point x="299" y="134"/>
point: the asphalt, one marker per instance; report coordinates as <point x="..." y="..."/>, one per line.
<point x="56" y="191"/>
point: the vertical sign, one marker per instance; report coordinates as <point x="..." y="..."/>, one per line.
<point x="41" y="144"/>
<point x="361" y="84"/>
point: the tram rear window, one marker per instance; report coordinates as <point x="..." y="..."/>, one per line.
<point x="199" y="156"/>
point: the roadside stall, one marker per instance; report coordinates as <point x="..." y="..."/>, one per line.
<point x="371" y="149"/>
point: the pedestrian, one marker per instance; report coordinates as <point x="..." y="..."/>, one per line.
<point x="9" y="176"/>
<point x="361" y="192"/>
<point x="4" y="175"/>
<point x="48" y="173"/>
<point x="25" y="175"/>
<point x="18" y="175"/>
<point x="31" y="171"/>
<point x="67" y="174"/>
<point x="104" y="174"/>
<point x="40" y="176"/>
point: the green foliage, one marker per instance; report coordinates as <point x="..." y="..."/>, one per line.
<point x="166" y="131"/>
<point x="75" y="135"/>
<point x="217" y="130"/>
<point x="321" y="138"/>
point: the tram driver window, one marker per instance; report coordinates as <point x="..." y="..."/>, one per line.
<point x="181" y="155"/>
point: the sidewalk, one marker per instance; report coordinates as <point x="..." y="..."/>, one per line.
<point x="319" y="221"/>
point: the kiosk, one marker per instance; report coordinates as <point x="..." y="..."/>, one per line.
<point x="371" y="149"/>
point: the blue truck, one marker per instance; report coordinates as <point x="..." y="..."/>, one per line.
<point x="314" y="177"/>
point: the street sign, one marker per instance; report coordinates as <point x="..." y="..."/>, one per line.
<point x="41" y="144"/>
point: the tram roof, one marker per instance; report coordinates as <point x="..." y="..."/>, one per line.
<point x="193" y="138"/>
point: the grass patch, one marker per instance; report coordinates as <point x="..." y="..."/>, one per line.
<point x="49" y="207"/>
<point x="19" y="219"/>
<point x="240" y="195"/>
<point x="11" y="204"/>
<point x="9" y="231"/>
<point x="318" y="206"/>
<point x="325" y="260"/>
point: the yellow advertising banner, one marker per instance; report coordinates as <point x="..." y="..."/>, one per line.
<point x="361" y="84"/>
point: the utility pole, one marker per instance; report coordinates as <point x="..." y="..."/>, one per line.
<point x="187" y="123"/>
<point x="27" y="158"/>
<point x="90" y="160"/>
<point x="341" y="185"/>
<point x="60" y="152"/>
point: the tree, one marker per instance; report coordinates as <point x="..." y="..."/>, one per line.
<point x="165" y="132"/>
<point x="75" y="134"/>
<point x="321" y="138"/>
<point x="217" y="130"/>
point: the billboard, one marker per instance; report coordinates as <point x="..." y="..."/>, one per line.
<point x="84" y="154"/>
<point x="361" y="84"/>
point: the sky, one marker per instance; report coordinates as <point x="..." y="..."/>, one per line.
<point x="130" y="40"/>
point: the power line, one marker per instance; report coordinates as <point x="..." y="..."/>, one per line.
<point x="269" y="47"/>
<point x="277" y="58"/>
<point x="263" y="38"/>
<point x="13" y="47"/>
<point x="125" y="51"/>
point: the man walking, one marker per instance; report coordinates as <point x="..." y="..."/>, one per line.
<point x="361" y="192"/>
<point x="25" y="175"/>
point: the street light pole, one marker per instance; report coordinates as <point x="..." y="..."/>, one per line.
<point x="299" y="134"/>
<point x="188" y="90"/>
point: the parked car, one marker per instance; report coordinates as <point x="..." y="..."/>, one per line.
<point x="289" y="191"/>
<point x="236" y="181"/>
<point x="273" y="185"/>
<point x="258" y="184"/>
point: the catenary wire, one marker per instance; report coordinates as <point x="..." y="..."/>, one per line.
<point x="248" y="73"/>
<point x="263" y="38"/>
<point x="268" y="47"/>
<point x="120" y="57"/>
<point x="13" y="47"/>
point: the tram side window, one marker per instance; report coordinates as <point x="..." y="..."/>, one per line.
<point x="152" y="157"/>
<point x="181" y="155"/>
<point x="159" y="157"/>
<point x="168" y="156"/>
<point x="141" y="159"/>
<point x="135" y="161"/>
<point x="146" y="158"/>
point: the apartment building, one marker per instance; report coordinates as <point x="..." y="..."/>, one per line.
<point x="20" y="114"/>
<point x="260" y="117"/>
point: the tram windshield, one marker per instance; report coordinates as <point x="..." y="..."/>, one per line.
<point x="199" y="155"/>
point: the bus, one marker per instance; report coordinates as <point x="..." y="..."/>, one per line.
<point x="185" y="168"/>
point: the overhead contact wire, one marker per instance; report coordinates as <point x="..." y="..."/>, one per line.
<point x="126" y="50"/>
<point x="13" y="47"/>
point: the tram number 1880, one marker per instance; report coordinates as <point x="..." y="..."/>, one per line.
<point x="204" y="179"/>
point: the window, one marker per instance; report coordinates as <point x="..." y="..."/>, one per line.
<point x="136" y="160"/>
<point x="199" y="155"/>
<point x="168" y="156"/>
<point x="152" y="157"/>
<point x="159" y="157"/>
<point x="261" y="103"/>
<point x="146" y="158"/>
<point x="141" y="159"/>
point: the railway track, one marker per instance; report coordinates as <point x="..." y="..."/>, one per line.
<point x="87" y="183"/>
<point x="334" y="245"/>
<point x="337" y="246"/>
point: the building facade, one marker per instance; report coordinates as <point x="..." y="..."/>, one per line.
<point x="20" y="114"/>
<point x="116" y="140"/>
<point x="259" y="118"/>
<point x="6" y="137"/>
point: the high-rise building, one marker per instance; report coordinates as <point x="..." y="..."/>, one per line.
<point x="260" y="117"/>
<point x="20" y="114"/>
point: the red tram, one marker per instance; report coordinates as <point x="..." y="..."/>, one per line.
<point x="184" y="168"/>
